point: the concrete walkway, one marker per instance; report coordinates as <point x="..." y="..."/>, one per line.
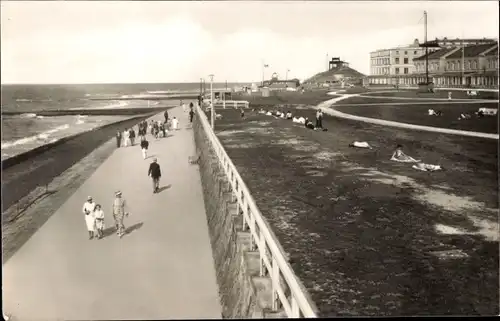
<point x="161" y="269"/>
<point x="329" y="108"/>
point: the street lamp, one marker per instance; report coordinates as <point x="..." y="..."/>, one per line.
<point x="212" y="111"/>
<point x="286" y="78"/>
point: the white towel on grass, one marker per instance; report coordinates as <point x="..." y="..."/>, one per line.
<point x="427" y="167"/>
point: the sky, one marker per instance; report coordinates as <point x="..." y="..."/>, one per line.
<point x="61" y="42"/>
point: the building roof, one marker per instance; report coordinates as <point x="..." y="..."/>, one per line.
<point x="436" y="54"/>
<point x="471" y="51"/>
<point x="493" y="52"/>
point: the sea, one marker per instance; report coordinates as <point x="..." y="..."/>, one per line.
<point x="28" y="130"/>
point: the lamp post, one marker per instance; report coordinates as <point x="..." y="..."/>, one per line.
<point x="212" y="108"/>
<point x="286" y="77"/>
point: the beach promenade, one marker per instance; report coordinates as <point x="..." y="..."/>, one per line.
<point x="161" y="269"/>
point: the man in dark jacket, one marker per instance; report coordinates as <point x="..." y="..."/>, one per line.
<point x="144" y="147"/>
<point x="165" y="114"/>
<point x="118" y="139"/>
<point x="155" y="173"/>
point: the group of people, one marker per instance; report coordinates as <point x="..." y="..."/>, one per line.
<point x="299" y="120"/>
<point x="125" y="138"/>
<point x="94" y="216"/>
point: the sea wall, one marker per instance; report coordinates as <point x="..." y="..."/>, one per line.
<point x="25" y="172"/>
<point x="243" y="293"/>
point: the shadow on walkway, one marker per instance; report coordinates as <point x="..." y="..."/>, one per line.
<point x="112" y="229"/>
<point x="161" y="189"/>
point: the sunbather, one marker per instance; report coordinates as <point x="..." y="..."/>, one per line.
<point x="400" y="156"/>
<point x="427" y="167"/>
<point x="360" y="145"/>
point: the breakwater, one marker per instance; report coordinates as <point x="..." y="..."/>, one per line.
<point x="255" y="280"/>
<point x="91" y="111"/>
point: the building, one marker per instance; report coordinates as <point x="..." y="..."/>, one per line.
<point x="339" y="72"/>
<point x="387" y="64"/>
<point x="277" y="84"/>
<point x="470" y="66"/>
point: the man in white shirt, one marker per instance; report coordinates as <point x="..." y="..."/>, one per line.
<point x="88" y="210"/>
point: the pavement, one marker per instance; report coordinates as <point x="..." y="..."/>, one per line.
<point x="161" y="269"/>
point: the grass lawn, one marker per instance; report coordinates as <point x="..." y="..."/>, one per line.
<point x="360" y="229"/>
<point x="285" y="98"/>
<point x="437" y="94"/>
<point x="417" y="114"/>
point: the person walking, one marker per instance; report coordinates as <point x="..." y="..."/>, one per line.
<point x="119" y="212"/>
<point x="88" y="210"/>
<point x="99" y="220"/>
<point x="191" y="115"/>
<point x="132" y="136"/>
<point x="175" y="123"/>
<point x="144" y="147"/>
<point x="126" y="138"/>
<point x="155" y="173"/>
<point x="165" y="114"/>
<point x="118" y="139"/>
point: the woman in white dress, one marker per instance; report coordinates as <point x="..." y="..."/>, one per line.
<point x="99" y="220"/>
<point x="126" y="138"/>
<point x="88" y="210"/>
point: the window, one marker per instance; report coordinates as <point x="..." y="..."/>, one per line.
<point x="397" y="52"/>
<point x="406" y="52"/>
<point x="405" y="61"/>
<point x="396" y="60"/>
<point x="415" y="52"/>
<point x="397" y="71"/>
<point x="405" y="71"/>
<point x="474" y="65"/>
<point x="467" y="65"/>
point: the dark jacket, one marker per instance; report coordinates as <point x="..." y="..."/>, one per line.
<point x="144" y="144"/>
<point x="154" y="170"/>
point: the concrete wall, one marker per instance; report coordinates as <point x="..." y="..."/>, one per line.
<point x="243" y="293"/>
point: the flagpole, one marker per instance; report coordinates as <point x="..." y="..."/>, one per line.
<point x="463" y="61"/>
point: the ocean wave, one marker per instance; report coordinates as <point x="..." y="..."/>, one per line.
<point x="40" y="137"/>
<point x="40" y="117"/>
<point x="82" y="116"/>
<point x="23" y="100"/>
<point x="28" y="115"/>
<point x="80" y="121"/>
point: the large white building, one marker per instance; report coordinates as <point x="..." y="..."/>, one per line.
<point x="387" y="64"/>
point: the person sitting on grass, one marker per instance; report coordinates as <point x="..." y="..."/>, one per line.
<point x="242" y="113"/>
<point x="288" y="115"/>
<point x="400" y="156"/>
<point x="464" y="116"/>
<point x="262" y="111"/>
<point x="309" y="124"/>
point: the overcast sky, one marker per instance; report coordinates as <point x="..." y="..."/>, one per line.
<point x="150" y="41"/>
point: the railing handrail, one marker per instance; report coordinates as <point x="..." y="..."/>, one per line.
<point x="298" y="293"/>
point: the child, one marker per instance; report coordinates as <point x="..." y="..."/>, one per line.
<point x="99" y="220"/>
<point x="175" y="123"/>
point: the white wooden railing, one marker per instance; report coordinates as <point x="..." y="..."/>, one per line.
<point x="272" y="255"/>
<point x="232" y="104"/>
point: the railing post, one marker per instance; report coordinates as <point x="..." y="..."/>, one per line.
<point x="262" y="253"/>
<point x="275" y="278"/>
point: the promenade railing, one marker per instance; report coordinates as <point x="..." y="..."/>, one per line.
<point x="272" y="256"/>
